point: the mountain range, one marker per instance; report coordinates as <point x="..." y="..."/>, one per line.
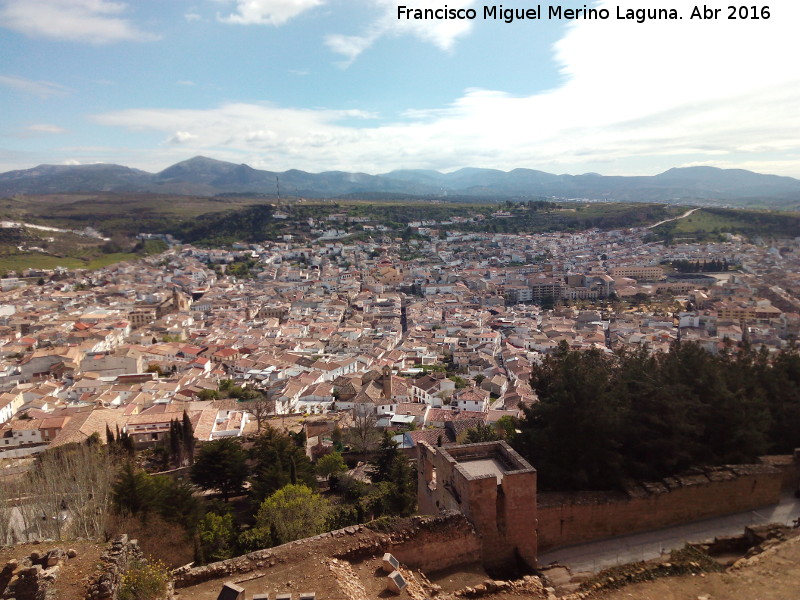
<point x="209" y="177"/>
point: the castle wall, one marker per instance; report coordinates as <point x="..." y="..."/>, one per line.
<point x="452" y="543"/>
<point x="573" y="518"/>
<point x="430" y="543"/>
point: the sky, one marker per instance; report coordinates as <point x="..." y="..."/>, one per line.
<point x="323" y="85"/>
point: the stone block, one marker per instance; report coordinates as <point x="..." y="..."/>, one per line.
<point x="390" y="563"/>
<point x="395" y="582"/>
<point x="231" y="591"/>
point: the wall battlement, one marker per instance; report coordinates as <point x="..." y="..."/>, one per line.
<point x="579" y="517"/>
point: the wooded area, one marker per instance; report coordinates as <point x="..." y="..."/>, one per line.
<point x="606" y="419"/>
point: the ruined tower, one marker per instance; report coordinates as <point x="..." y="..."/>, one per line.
<point x="494" y="487"/>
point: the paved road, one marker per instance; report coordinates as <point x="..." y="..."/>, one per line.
<point x="644" y="546"/>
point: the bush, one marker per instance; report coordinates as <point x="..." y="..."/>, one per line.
<point x="144" y="581"/>
<point x="292" y="513"/>
<point x="217" y="537"/>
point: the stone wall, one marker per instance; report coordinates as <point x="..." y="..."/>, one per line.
<point x="434" y="543"/>
<point x="437" y="543"/>
<point x="114" y="562"/>
<point x="575" y="518"/>
<point x="788" y="465"/>
<point x="36" y="578"/>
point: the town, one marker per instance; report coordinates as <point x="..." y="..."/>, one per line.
<point x="128" y="345"/>
<point x="426" y="338"/>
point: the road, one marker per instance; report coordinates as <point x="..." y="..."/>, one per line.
<point x="683" y="216"/>
<point x="600" y="555"/>
<point x="88" y="232"/>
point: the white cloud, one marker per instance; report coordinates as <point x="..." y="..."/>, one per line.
<point x="88" y="21"/>
<point x="635" y="98"/>
<point x="46" y="128"/>
<point x="442" y="33"/>
<point x="43" y="89"/>
<point x="268" y="12"/>
<point x="186" y="82"/>
<point x="182" y="137"/>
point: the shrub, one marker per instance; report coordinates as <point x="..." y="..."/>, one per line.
<point x="144" y="581"/>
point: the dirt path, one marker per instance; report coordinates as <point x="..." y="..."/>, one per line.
<point x="683" y="216"/>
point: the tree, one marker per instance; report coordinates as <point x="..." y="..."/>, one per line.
<point x="459" y="381"/>
<point x="136" y="493"/>
<point x="208" y="395"/>
<point x="188" y="437"/>
<point x="176" y="501"/>
<point x="74" y="480"/>
<point x="336" y="438"/>
<point x="402" y="496"/>
<point x="220" y="465"/>
<point x="175" y="441"/>
<point x="292" y="513"/>
<point x="507" y="426"/>
<point x="573" y="434"/>
<point x="217" y="537"/>
<point x="604" y="419"/>
<point x="133" y="492"/>
<point x="480" y="433"/>
<point x="330" y="464"/>
<point x="279" y="461"/>
<point x="381" y="469"/>
<point x="261" y="408"/>
<point x="362" y="436"/>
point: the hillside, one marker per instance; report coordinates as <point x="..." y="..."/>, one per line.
<point x="773" y="575"/>
<point x="204" y="176"/>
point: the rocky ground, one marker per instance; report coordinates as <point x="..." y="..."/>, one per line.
<point x="773" y="574"/>
<point x="73" y="573"/>
<point x="771" y="571"/>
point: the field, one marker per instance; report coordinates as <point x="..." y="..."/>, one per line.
<point x="116" y="213"/>
<point x="219" y="221"/>
<point x="31" y="260"/>
<point x="704" y="221"/>
<point x="711" y="223"/>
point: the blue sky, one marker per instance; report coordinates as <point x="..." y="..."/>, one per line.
<point x="344" y="85"/>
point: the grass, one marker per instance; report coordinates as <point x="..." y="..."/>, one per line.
<point x="709" y="223"/>
<point x="110" y="259"/>
<point x="703" y="221"/>
<point x="20" y="262"/>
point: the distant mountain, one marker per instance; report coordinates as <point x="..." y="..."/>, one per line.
<point x="53" y="179"/>
<point x="209" y="177"/>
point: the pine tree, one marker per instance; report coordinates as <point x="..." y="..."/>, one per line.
<point x="381" y="468"/>
<point x="188" y="438"/>
<point x="175" y="443"/>
<point x="220" y="465"/>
